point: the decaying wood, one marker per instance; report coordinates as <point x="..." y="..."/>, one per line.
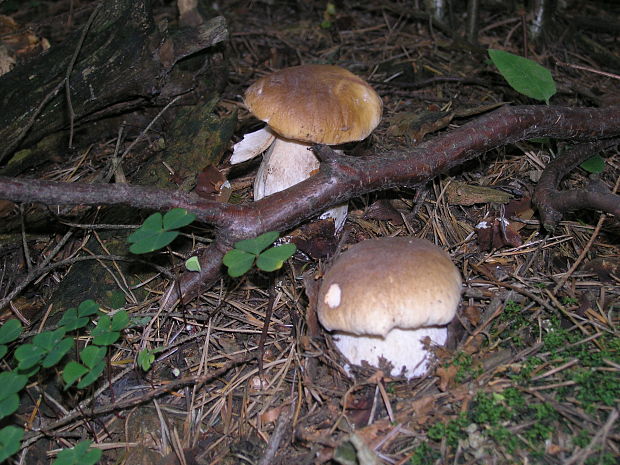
<point x="124" y="62"/>
<point x="340" y="178"/>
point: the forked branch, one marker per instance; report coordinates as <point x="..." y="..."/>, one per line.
<point x="339" y="179"/>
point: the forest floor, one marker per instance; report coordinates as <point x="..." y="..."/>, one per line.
<point x="530" y="373"/>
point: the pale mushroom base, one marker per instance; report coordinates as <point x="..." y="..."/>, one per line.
<point x="402" y="348"/>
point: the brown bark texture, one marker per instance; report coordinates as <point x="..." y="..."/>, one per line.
<point x="122" y="62"/>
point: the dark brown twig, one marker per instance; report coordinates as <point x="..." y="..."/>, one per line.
<point x="553" y="203"/>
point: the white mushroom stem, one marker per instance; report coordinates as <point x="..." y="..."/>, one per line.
<point x="403" y="348"/>
<point x="285" y="163"/>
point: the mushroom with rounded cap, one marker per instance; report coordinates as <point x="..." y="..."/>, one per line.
<point x="383" y="297"/>
<point x="305" y="105"/>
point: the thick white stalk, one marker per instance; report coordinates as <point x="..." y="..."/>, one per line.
<point x="285" y="164"/>
<point x="403" y="348"/>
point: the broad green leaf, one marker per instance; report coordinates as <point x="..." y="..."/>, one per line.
<point x="525" y="76"/>
<point x="152" y="241"/>
<point x="81" y="454"/>
<point x="28" y="355"/>
<point x="273" y="259"/>
<point x="92" y="375"/>
<point x="10" y="330"/>
<point x="58" y="352"/>
<point x="88" y="308"/>
<point x="8" y="405"/>
<point x="3" y="350"/>
<point x="10" y="441"/>
<point x="47" y="340"/>
<point x="177" y="218"/>
<point x="72" y="372"/>
<point x="71" y="320"/>
<point x="154" y="222"/>
<point x="192" y="264"/>
<point x="238" y="262"/>
<point x="92" y="355"/>
<point x="103" y="334"/>
<point x="120" y="320"/>
<point x="257" y="244"/>
<point x="11" y="383"/>
<point x="595" y="164"/>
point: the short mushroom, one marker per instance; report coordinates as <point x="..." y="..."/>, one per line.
<point x="383" y="297"/>
<point x="305" y="105"/>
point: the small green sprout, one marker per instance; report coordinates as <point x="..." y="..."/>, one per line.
<point x="240" y="259"/>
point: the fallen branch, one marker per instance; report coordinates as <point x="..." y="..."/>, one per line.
<point x="339" y="179"/>
<point x="553" y="203"/>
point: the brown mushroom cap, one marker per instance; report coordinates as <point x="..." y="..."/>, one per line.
<point x="395" y="282"/>
<point x="321" y="104"/>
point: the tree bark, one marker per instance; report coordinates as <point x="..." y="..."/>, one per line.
<point x="122" y="63"/>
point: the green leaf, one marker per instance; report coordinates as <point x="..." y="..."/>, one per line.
<point x="58" y="352"/>
<point x="525" y="76"/>
<point x="71" y="320"/>
<point x="10" y="441"/>
<point x="258" y="244"/>
<point x="120" y="320"/>
<point x="152" y="241"/>
<point x="28" y="355"/>
<point x="177" y="218"/>
<point x="192" y="264"/>
<point x="92" y="355"/>
<point x="595" y="164"/>
<point x="3" y="350"/>
<point x="11" y="383"/>
<point x="72" y="372"/>
<point x="146" y="358"/>
<point x="92" y="375"/>
<point x="273" y="259"/>
<point x="8" y="405"/>
<point x="103" y="334"/>
<point x="238" y="262"/>
<point x="10" y="330"/>
<point x="47" y="340"/>
<point x="81" y="454"/>
<point x="154" y="222"/>
<point x="88" y="308"/>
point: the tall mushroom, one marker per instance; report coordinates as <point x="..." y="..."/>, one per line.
<point x="305" y="105"/>
<point x="383" y="297"/>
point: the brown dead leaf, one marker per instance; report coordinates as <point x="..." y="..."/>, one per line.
<point x="6" y="207"/>
<point x="423" y="408"/>
<point x="383" y="210"/>
<point x="316" y="239"/>
<point x="415" y="125"/>
<point x="495" y="233"/>
<point x="519" y="208"/>
<point x="461" y="193"/>
<point x="211" y="184"/>
<point x="604" y="267"/>
<point x="271" y="415"/>
<point x="446" y="376"/>
<point x="473" y="315"/>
